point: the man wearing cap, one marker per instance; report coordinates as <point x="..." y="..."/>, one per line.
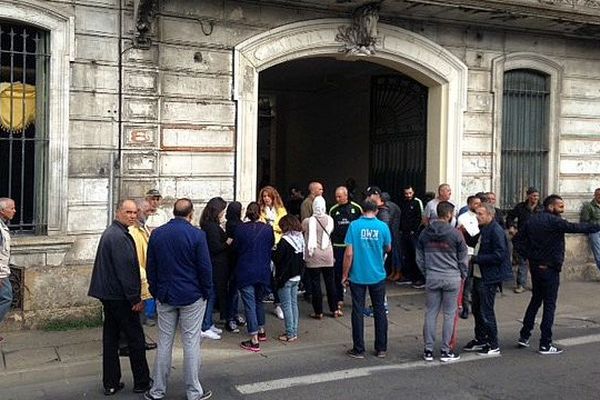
<point x="158" y="216"/>
<point x="591" y="213"/>
<point x="521" y="214"/>
<point x="444" y="194"/>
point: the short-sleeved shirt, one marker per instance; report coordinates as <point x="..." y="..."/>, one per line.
<point x="369" y="237"/>
<point x="431" y="210"/>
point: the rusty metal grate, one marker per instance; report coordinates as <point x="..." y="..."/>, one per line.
<point x="17" y="280"/>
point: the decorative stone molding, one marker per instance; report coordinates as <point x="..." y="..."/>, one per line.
<point x="405" y="51"/>
<point x="62" y="47"/>
<point x="537" y="62"/>
<point x="145" y="11"/>
<point x="360" y="38"/>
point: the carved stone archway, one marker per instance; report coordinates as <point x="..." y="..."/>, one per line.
<point x="402" y="50"/>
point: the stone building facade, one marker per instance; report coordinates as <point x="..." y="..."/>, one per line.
<point x="166" y="94"/>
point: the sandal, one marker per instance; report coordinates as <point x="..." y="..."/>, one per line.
<point x="316" y="316"/>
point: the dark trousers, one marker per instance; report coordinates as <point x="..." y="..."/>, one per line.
<point x="483" y="297"/>
<point x="377" y="295"/>
<point x="410" y="270"/>
<point x="338" y="254"/>
<point x="221" y="282"/>
<point x="118" y="317"/>
<point x="545" y="283"/>
<point x="317" y="296"/>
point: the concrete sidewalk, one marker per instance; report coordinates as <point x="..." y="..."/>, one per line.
<point x="37" y="356"/>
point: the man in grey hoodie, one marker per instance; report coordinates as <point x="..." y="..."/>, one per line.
<point x="442" y="258"/>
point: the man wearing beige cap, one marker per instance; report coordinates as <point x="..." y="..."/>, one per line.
<point x="158" y="216"/>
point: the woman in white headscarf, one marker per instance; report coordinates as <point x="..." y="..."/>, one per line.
<point x="319" y="257"/>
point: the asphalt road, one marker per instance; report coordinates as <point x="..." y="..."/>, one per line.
<point x="325" y="372"/>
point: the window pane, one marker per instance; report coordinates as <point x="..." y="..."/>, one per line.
<point x="23" y="144"/>
<point x="524" y="158"/>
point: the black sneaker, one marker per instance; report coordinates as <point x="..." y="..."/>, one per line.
<point x="489" y="351"/>
<point x="240" y="321"/>
<point x="114" y="390"/>
<point x="522" y="343"/>
<point x="380" y="354"/>
<point x="148" y="396"/>
<point x="270" y="298"/>
<point x="248" y="345"/>
<point x="418" y="285"/>
<point x="355" y="354"/>
<point x="464" y="314"/>
<point x="474" y="345"/>
<point x="449" y="356"/>
<point x="550" y="349"/>
<point x="262" y="336"/>
<point x="232" y="327"/>
<point x="428" y="355"/>
<point x="143" y="389"/>
<point x="206" y="395"/>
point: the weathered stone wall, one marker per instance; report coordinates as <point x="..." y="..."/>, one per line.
<point x="179" y="119"/>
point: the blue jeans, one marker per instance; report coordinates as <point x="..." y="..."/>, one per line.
<point x="595" y="245"/>
<point x="377" y="295"/>
<point x="150" y="308"/>
<point x="207" y="321"/>
<point x="288" y="295"/>
<point x="522" y="272"/>
<point x="6" y="297"/>
<point x="483" y="298"/>
<point x="545" y="283"/>
<point x="188" y="318"/>
<point x="252" y="296"/>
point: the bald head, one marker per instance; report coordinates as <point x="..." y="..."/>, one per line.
<point x="183" y="208"/>
<point x="127" y="212"/>
<point x="315" y="189"/>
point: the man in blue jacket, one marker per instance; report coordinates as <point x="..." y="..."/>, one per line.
<point x="180" y="279"/>
<point x="542" y="242"/>
<point x="491" y="266"/>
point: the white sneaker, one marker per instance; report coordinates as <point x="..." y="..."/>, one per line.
<point x="208" y="334"/>
<point x="216" y="330"/>
<point x="278" y="312"/>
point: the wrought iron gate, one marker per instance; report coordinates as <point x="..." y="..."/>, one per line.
<point x="24" y="70"/>
<point x="398" y="137"/>
<point x="525" y="146"/>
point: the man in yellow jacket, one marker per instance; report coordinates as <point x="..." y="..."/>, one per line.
<point x="141" y="235"/>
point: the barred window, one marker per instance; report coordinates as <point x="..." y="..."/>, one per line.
<point x="23" y="123"/>
<point x="525" y="137"/>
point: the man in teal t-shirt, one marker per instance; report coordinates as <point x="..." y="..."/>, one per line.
<point x="367" y="241"/>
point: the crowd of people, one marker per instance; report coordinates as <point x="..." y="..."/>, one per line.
<point x="171" y="272"/>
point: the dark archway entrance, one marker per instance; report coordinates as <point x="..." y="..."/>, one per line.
<point x="326" y="119"/>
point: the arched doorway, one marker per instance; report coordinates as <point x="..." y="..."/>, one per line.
<point x="327" y="119"/>
<point x="412" y="55"/>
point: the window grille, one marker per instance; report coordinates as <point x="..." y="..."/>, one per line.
<point x="525" y="142"/>
<point x="24" y="62"/>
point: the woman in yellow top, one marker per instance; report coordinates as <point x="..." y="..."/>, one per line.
<point x="271" y="209"/>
